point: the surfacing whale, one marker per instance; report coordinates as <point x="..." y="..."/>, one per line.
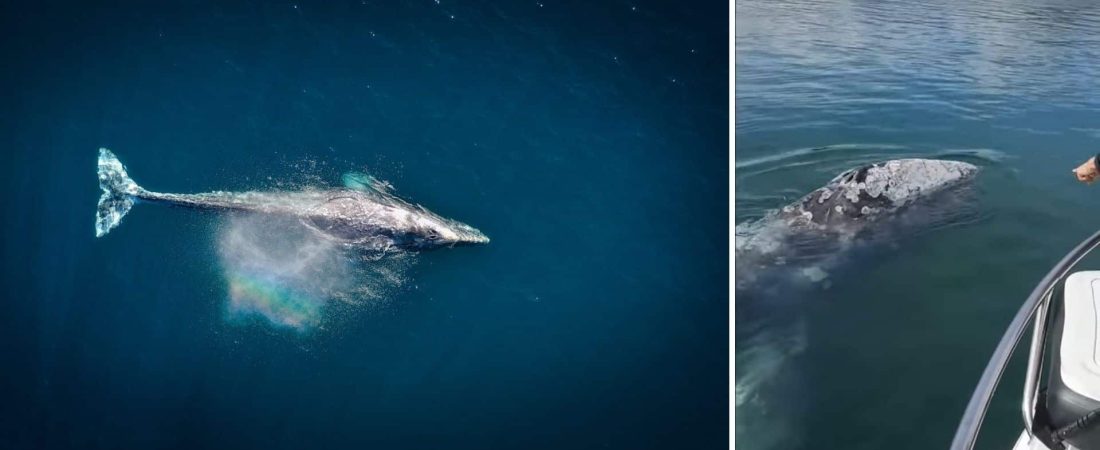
<point x="781" y="258"/>
<point x="364" y="214"/>
<point x="853" y="205"/>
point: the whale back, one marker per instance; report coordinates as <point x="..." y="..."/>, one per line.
<point x="866" y="192"/>
<point x="864" y="205"/>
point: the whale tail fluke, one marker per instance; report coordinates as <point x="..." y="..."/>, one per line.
<point x="118" y="192"/>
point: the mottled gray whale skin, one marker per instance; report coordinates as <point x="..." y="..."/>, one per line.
<point x="364" y="215"/>
<point x="832" y="216"/>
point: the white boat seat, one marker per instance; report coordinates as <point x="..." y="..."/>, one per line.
<point x="1073" y="388"/>
<point x="1080" y="346"/>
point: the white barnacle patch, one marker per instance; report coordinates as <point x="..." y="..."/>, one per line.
<point x="825" y="195"/>
<point x="852" y="194"/>
<point x="876" y="184"/>
<point x="865" y="210"/>
<point x="902" y="180"/>
<point x="839" y="209"/>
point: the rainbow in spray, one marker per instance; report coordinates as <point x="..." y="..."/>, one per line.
<point x="280" y="271"/>
<point x="273" y="300"/>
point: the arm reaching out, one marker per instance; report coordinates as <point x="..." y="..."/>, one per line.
<point x="1088" y="171"/>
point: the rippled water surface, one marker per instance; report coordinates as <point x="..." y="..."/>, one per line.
<point x="885" y="352"/>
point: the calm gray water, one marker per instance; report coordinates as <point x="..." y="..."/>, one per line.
<point x="886" y="351"/>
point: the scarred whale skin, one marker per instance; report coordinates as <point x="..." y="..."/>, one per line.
<point x="850" y="203"/>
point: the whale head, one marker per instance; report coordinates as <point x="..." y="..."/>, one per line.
<point x="903" y="180"/>
<point x="868" y="191"/>
<point x="874" y="203"/>
<point x="370" y="220"/>
<point x="437" y="231"/>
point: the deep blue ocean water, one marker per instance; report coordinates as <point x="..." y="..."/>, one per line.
<point x="587" y="139"/>
<point x="887" y="351"/>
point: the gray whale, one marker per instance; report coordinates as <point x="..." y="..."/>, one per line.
<point x="365" y="214"/>
<point x="788" y="250"/>
<point x="781" y="256"/>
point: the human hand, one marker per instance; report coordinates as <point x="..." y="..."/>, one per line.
<point x="1087" y="172"/>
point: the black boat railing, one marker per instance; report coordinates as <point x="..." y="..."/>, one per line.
<point x="970" y="425"/>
